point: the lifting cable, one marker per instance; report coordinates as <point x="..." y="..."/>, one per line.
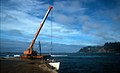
<point x="51" y="32"/>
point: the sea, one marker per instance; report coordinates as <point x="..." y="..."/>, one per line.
<point x="85" y="62"/>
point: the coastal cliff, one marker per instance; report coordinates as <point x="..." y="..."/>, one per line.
<point x="112" y="47"/>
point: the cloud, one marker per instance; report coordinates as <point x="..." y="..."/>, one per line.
<point x="66" y="12"/>
<point x="20" y="22"/>
<point x="75" y="21"/>
<point x="16" y="32"/>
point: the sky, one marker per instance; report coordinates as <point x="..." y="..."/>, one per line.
<point x="76" y="23"/>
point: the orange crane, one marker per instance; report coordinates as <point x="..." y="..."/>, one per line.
<point x="30" y="53"/>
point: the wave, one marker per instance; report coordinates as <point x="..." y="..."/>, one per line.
<point x="59" y="55"/>
<point x="8" y="56"/>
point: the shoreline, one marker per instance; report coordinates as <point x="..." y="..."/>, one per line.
<point x="16" y="65"/>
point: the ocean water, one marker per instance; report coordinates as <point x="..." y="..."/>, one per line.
<point x="85" y="62"/>
<point x="89" y="63"/>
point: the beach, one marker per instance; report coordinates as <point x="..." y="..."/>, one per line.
<point x="16" y="65"/>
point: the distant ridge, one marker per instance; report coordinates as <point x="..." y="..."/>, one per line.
<point x="111" y="47"/>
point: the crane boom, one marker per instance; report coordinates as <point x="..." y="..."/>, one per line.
<point x="30" y="51"/>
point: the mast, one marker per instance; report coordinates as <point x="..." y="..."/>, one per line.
<point x="40" y="47"/>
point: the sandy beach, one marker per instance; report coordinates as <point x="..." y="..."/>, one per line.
<point x="14" y="65"/>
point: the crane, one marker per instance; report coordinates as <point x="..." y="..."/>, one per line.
<point x="30" y="53"/>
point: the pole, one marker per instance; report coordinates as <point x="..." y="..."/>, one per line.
<point x="39" y="47"/>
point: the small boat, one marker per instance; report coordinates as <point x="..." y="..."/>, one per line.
<point x="56" y="65"/>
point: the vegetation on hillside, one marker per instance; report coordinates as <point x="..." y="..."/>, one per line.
<point x="111" y="47"/>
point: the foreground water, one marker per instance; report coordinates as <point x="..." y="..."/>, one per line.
<point x="87" y="63"/>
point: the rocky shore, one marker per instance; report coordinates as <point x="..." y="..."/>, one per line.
<point x="16" y="65"/>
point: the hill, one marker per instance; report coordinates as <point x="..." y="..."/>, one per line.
<point x="111" y="47"/>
